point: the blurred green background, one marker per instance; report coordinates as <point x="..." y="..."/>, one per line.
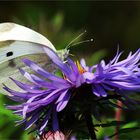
<point x="108" y="23"/>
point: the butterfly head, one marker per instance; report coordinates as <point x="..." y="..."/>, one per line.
<point x="63" y="54"/>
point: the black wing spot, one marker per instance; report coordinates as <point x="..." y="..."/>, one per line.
<point x="9" y="54"/>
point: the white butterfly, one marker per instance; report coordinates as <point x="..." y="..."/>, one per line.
<point x="16" y="42"/>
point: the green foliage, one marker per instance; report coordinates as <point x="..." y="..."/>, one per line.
<point x="8" y="113"/>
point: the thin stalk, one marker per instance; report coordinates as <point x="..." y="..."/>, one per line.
<point x="118" y="114"/>
<point x="90" y="125"/>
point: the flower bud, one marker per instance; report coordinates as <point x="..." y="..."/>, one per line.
<point x="58" y="135"/>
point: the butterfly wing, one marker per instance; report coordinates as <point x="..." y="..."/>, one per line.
<point x="10" y="69"/>
<point x="13" y="31"/>
<point x="12" y="49"/>
<point x="16" y="42"/>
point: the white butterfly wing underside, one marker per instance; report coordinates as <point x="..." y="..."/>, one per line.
<point x="12" y="31"/>
<point x="10" y="69"/>
<point x="17" y="42"/>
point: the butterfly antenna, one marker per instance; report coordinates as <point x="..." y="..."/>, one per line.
<point x="68" y="46"/>
<point x="71" y="54"/>
<point x="81" y="42"/>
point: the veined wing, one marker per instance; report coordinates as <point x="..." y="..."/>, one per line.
<point x="13" y="31"/>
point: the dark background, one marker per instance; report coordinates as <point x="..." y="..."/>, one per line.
<point x="108" y="22"/>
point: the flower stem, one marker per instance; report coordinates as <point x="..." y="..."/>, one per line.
<point x="118" y="114"/>
<point x="90" y="125"/>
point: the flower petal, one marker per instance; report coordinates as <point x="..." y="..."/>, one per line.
<point x="61" y="105"/>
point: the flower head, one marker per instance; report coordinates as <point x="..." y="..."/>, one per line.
<point x="41" y="99"/>
<point x="49" y="93"/>
<point x="58" y="135"/>
<point x="117" y="75"/>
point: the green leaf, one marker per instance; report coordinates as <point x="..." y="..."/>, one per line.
<point x="8" y="113"/>
<point x="130" y="125"/>
<point x="25" y="136"/>
<point x="109" y="124"/>
<point x="125" y="130"/>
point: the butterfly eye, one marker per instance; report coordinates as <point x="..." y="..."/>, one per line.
<point x="9" y="54"/>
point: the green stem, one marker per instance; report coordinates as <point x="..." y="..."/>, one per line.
<point x="90" y="125"/>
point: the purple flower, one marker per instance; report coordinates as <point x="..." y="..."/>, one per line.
<point x="49" y="93"/>
<point x="44" y="97"/>
<point x="117" y="75"/>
